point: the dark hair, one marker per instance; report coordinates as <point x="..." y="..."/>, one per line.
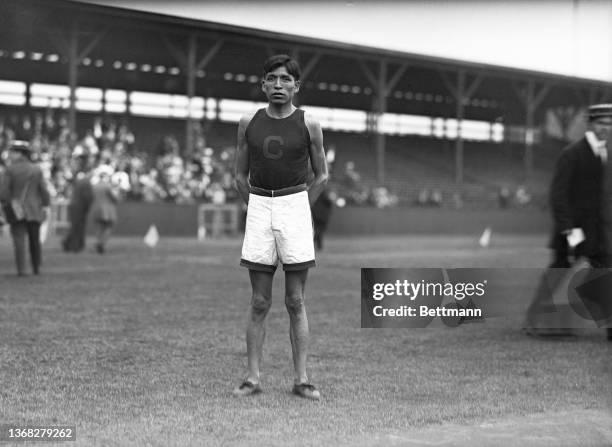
<point x="282" y="60"/>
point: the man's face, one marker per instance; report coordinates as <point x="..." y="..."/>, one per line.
<point x="602" y="127"/>
<point x="279" y="86"/>
<point x="15" y="155"/>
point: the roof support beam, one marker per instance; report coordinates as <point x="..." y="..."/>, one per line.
<point x="192" y="68"/>
<point x="69" y="44"/>
<point x="462" y="94"/>
<point x="75" y="57"/>
<point x="311" y="64"/>
<point x="189" y="63"/>
<point x="92" y="44"/>
<point x="192" y="52"/>
<point x="382" y="87"/>
<point x="176" y="52"/>
<point x="182" y="57"/>
<point x="460" y="98"/>
<point x="396" y="77"/>
<point x="210" y="53"/>
<point x="73" y="74"/>
<point x="531" y="96"/>
<point x="306" y="68"/>
<point x="368" y="73"/>
<point x="566" y="115"/>
<point x="381" y="107"/>
<point x="453" y="87"/>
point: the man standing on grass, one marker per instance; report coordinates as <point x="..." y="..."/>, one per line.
<point x="26" y="201"/>
<point x="275" y="146"/>
<point x="81" y="200"/>
<point x="579" y="197"/>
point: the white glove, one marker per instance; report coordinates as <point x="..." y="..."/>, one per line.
<point x="574" y="237"/>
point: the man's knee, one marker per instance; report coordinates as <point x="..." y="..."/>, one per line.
<point x="294" y="302"/>
<point x="260" y="303"/>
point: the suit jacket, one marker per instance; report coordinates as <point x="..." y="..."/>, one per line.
<point x="16" y="179"/>
<point x="2" y="216"/>
<point x="576" y="199"/>
<point x="81" y="198"/>
<point x="104" y="203"/>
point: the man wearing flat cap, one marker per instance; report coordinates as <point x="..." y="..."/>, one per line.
<point x="580" y="192"/>
<point x="25" y="199"/>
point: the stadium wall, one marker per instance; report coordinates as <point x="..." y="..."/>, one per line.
<point x="403" y="220"/>
<point x="181" y="220"/>
<point x="171" y="219"/>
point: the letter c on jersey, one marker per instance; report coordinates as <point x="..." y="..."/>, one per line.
<point x="273" y="151"/>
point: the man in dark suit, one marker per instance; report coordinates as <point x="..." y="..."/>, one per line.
<point x="2" y="216"/>
<point x="104" y="208"/>
<point x="321" y="213"/>
<point x="605" y="122"/>
<point x="78" y="209"/>
<point x="23" y="184"/>
<point x="576" y="197"/>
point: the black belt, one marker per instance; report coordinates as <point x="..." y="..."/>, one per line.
<point x="278" y="192"/>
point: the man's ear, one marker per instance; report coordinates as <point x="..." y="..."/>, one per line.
<point x="297" y="86"/>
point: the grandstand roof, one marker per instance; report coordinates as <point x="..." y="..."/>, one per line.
<point x="135" y="50"/>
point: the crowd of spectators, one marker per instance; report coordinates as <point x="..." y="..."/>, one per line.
<point x="153" y="174"/>
<point x="350" y="188"/>
<point x="168" y="173"/>
<point x="162" y="173"/>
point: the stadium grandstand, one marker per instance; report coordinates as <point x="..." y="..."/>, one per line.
<point x="158" y="97"/>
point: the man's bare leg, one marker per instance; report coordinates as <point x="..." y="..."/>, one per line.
<point x="261" y="300"/>
<point x="295" y="282"/>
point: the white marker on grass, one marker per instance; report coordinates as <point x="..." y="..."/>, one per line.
<point x="485" y="239"/>
<point x="152" y="237"/>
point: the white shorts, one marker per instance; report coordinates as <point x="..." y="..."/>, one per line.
<point x="278" y="228"/>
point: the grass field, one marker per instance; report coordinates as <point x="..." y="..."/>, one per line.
<point x="143" y="347"/>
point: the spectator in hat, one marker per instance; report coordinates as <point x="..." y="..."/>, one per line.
<point x="104" y="207"/>
<point x="25" y="199"/>
<point x="581" y="198"/>
<point x="81" y="199"/>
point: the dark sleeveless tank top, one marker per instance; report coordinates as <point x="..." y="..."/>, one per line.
<point x="278" y="150"/>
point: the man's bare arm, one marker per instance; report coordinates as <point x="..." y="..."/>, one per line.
<point x="317" y="159"/>
<point x="241" y="170"/>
